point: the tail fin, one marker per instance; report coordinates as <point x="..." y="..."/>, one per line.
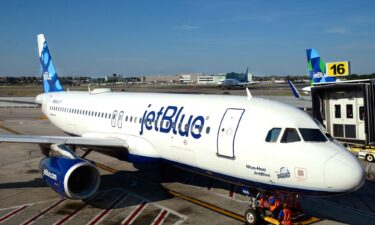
<point x="317" y="68"/>
<point x="51" y="82"/>
<point x="249" y="76"/>
<point x="294" y="89"/>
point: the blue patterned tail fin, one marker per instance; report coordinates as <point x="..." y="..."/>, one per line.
<point x="317" y="68"/>
<point x="51" y="82"/>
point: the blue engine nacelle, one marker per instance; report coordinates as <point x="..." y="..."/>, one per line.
<point x="68" y="175"/>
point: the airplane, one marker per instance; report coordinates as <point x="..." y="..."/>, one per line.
<point x="232" y="83"/>
<point x="296" y="92"/>
<point x="317" y="73"/>
<point x="246" y="141"/>
<point x="317" y="69"/>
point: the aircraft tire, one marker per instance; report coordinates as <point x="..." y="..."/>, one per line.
<point x="251" y="217"/>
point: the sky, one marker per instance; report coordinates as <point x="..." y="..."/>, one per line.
<point x="167" y="37"/>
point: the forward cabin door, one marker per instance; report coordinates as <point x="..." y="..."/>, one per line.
<point x="227" y="132"/>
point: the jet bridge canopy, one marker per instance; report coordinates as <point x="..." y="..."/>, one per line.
<point x="346" y="109"/>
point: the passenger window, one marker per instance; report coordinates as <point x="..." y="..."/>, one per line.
<point x="208" y="130"/>
<point x="126" y="119"/>
<point x="135" y="119"/>
<point x="349" y="111"/>
<point x="290" y="135"/>
<point x="273" y="134"/>
<point x="338" y="111"/>
<point x="200" y="129"/>
<point x="361" y="113"/>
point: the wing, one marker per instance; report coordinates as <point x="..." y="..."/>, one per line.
<point x="80" y="141"/>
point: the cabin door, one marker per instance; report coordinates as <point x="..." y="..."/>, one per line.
<point x="227" y="132"/>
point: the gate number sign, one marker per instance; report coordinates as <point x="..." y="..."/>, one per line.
<point x="337" y="69"/>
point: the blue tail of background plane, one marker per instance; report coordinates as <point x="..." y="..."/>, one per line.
<point x="317" y="68"/>
<point x="51" y="82"/>
<point x="294" y="89"/>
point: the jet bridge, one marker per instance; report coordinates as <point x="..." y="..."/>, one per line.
<point x="346" y="110"/>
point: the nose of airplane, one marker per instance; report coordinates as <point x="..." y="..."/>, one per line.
<point x="343" y="173"/>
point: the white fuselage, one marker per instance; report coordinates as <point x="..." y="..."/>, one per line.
<point x="222" y="136"/>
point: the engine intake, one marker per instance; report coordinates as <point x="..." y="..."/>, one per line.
<point x="69" y="175"/>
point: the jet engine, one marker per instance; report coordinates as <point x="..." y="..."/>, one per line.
<point x="68" y="175"/>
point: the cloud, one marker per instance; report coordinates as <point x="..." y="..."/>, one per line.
<point x="357" y="46"/>
<point x="188" y="27"/>
<point x="125" y="59"/>
<point x="337" y="30"/>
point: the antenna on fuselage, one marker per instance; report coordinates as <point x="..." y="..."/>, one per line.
<point x="249" y="96"/>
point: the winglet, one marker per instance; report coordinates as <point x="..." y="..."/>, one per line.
<point x="294" y="89"/>
<point x="249" y="96"/>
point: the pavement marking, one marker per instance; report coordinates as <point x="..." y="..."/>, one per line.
<point x="71" y="215"/>
<point x="208" y="206"/>
<point x="104" y="212"/>
<point x="9" y="130"/>
<point x="46" y="210"/>
<point x="128" y="220"/>
<point x="13" y="213"/>
<point x="188" y="198"/>
<point x="160" y="217"/>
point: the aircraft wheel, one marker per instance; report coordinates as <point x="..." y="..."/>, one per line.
<point x="251" y="217"/>
<point x="370" y="158"/>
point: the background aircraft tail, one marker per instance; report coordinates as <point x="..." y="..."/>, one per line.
<point x="51" y="82"/>
<point x="294" y="89"/>
<point x="317" y="68"/>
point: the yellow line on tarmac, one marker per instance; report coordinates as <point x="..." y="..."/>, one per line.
<point x="213" y="207"/>
<point x="188" y="198"/>
<point x="9" y="130"/>
<point x="107" y="168"/>
<point x="208" y="206"/>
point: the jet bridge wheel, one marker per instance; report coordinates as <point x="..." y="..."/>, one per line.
<point x="370" y="157"/>
<point x="251" y="217"/>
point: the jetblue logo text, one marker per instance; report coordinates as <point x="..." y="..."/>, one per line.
<point x="172" y="119"/>
<point x="49" y="174"/>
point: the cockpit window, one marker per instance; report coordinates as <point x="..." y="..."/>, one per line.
<point x="273" y="134"/>
<point x="290" y="135"/>
<point x="314" y="135"/>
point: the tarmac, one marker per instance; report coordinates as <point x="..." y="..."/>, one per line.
<point x="138" y="194"/>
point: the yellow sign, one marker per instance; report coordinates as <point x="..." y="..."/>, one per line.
<point x="338" y="69"/>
